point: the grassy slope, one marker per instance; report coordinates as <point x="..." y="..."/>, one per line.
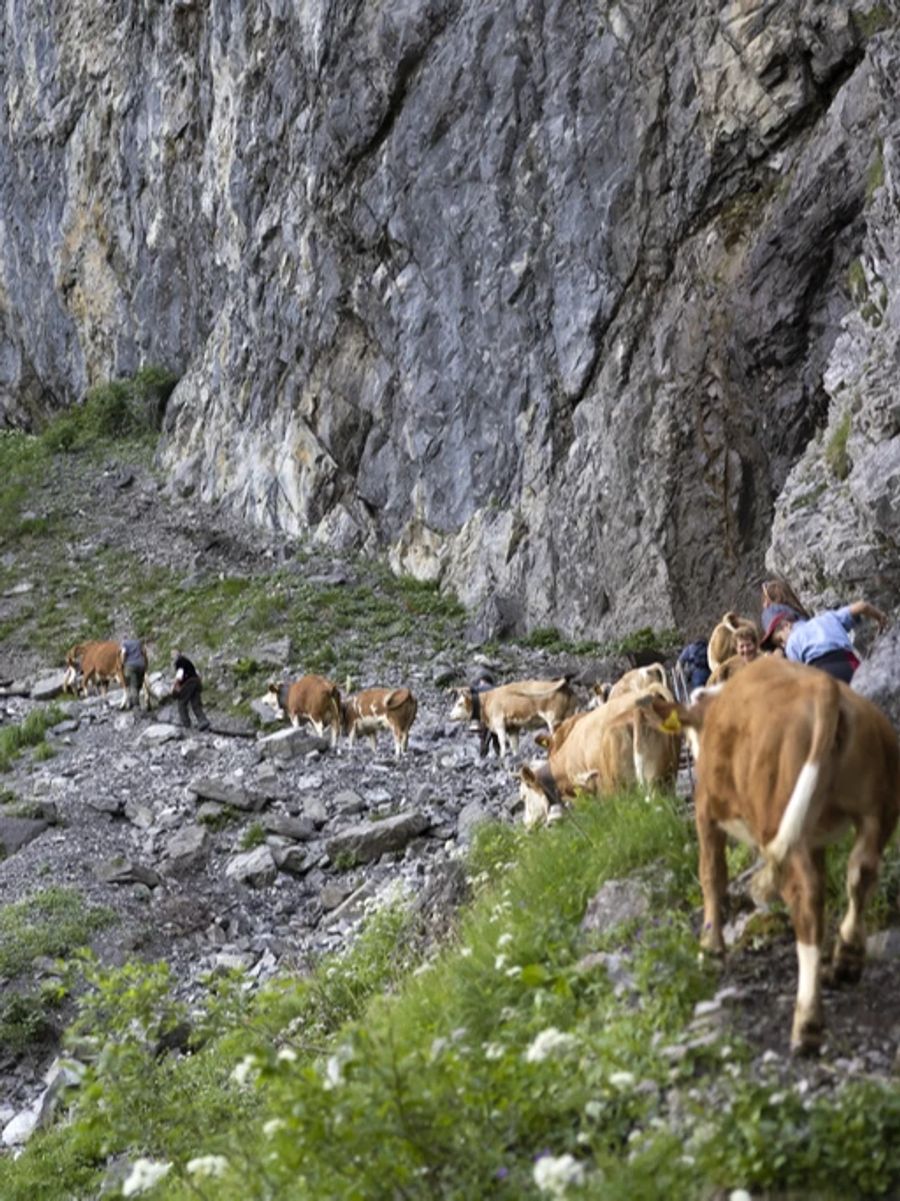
<point x="385" y="1076"/>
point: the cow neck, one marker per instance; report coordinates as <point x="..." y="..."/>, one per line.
<point x="283" y="690"/>
<point x="476" y="705"/>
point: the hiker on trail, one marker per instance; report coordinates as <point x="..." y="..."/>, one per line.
<point x="134" y="669"/>
<point x="186" y="690"/>
<point x="822" y="641"/>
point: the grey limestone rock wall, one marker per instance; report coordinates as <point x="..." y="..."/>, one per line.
<point x="561" y="304"/>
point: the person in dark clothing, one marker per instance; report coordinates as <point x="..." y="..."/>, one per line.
<point x="186" y="690"/>
<point x="134" y="667"/>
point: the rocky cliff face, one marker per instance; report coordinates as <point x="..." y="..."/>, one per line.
<point x="562" y="304"/>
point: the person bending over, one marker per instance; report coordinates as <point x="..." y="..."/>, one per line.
<point x="822" y="641"/>
<point x="186" y="690"/>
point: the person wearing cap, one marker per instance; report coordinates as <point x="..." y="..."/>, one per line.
<point x="822" y="641"/>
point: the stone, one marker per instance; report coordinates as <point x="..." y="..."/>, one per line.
<point x="256" y="868"/>
<point x="227" y="792"/>
<point x="617" y="902"/>
<point x="349" y="802"/>
<point x="160" y="732"/>
<point x="123" y="871"/>
<point x="47" y="688"/>
<point x="368" y="841"/>
<point x="301" y="829"/>
<point x="20" y="1129"/>
<point x="291" y="859"/>
<point x="185" y="849"/>
<point x="17" y="832"/>
<point x="274" y="653"/>
<point x="472" y="815"/>
<point x="291" y="743"/>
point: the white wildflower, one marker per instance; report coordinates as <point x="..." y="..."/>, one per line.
<point x="287" y="1055"/>
<point x="550" y="1042"/>
<point x="244" y="1070"/>
<point x="272" y="1127"/>
<point x="513" y="972"/>
<point x="554" y="1174"/>
<point x="621" y="1079"/>
<point x="144" y="1174"/>
<point x="504" y="940"/>
<point x="493" y="1050"/>
<point x="593" y="1110"/>
<point x="335" y="1064"/>
<point x="207" y="1165"/>
<point x="465" y="953"/>
<point x="500" y="962"/>
<point x="739" y="1194"/>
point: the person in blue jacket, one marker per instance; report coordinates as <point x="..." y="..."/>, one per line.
<point x="821" y="641"/>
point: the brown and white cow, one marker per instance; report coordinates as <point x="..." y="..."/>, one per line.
<point x="374" y="709"/>
<point x="97" y="662"/>
<point x="787" y="759"/>
<point x="311" y="698"/>
<point x="601" y="751"/>
<point x="511" y="708"/>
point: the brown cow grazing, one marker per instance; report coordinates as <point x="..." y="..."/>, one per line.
<point x="511" y="708"/>
<point x="787" y="759"/>
<point x="311" y="698"/>
<point x="98" y="663"/>
<point x="376" y="709"/>
<point x="601" y="751"/>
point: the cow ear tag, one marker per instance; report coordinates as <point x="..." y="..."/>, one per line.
<point x="672" y="724"/>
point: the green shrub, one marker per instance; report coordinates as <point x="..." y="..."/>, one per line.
<point x="253" y="836"/>
<point x="119" y="409"/>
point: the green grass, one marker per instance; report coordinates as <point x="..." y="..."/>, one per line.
<point x="396" y="1071"/>
<point x="836" y="453"/>
<point x="49" y="923"/>
<point x="15" y="739"/>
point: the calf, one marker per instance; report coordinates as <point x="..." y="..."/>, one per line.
<point x="311" y="698"/>
<point x="787" y="759"/>
<point x="373" y="709"/>
<point x="98" y="662"/>
<point x="511" y="708"/>
<point x="601" y="752"/>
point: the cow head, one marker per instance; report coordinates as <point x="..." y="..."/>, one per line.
<point x="533" y="795"/>
<point x="674" y="718"/>
<point x="462" y="706"/>
<point x="276" y="696"/>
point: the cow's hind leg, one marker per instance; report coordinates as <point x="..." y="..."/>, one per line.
<point x="862" y="875"/>
<point x="804" y="893"/>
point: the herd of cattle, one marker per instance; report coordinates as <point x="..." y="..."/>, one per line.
<point x="786" y="759"/>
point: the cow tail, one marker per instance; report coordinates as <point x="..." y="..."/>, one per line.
<point x="808" y="789"/>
